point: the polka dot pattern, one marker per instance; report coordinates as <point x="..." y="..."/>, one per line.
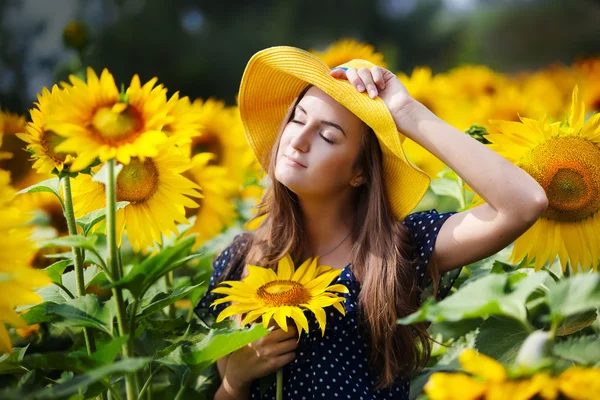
<point x="335" y="366"/>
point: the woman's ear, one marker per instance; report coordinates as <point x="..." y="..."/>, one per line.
<point x="357" y="180"/>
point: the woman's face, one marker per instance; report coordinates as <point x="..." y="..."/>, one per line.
<point x="318" y="147"/>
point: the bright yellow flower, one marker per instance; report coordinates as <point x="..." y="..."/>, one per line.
<point x="580" y="383"/>
<point x="481" y="365"/>
<point x="552" y="86"/>
<point x="471" y="82"/>
<point x="449" y="386"/>
<point x="283" y="294"/>
<point x="98" y="122"/>
<point x="216" y="209"/>
<point x="508" y="104"/>
<point x="12" y="156"/>
<point x="345" y="50"/>
<point x="42" y="142"/>
<point x="589" y="73"/>
<point x="489" y="381"/>
<point x="155" y="189"/>
<point x="183" y="120"/>
<point x="17" y="278"/>
<point x="565" y="160"/>
<point x="222" y="134"/>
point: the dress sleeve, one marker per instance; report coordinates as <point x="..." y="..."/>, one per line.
<point x="425" y="227"/>
<point x="220" y="266"/>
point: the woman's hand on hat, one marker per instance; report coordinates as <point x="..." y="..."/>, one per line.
<point x="376" y="81"/>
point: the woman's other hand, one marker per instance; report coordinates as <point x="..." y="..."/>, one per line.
<point x="377" y="81"/>
<point x="260" y="358"/>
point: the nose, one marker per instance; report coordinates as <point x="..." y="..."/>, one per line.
<point x="301" y="140"/>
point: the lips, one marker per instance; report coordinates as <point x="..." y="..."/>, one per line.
<point x="294" y="161"/>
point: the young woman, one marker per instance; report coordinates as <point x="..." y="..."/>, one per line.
<point x="342" y="188"/>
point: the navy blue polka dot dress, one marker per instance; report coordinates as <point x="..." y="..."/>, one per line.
<point x="335" y="366"/>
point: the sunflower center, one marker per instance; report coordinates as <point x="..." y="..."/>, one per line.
<point x="118" y="123"/>
<point x="49" y="141"/>
<point x="283" y="293"/>
<point x="208" y="142"/>
<point x="568" y="168"/>
<point x="137" y="181"/>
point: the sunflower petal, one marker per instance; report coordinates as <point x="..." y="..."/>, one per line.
<point x="285" y="268"/>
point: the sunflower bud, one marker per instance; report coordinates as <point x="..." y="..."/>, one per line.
<point x="75" y="35"/>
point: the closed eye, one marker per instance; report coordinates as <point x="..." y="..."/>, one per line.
<point x="320" y="134"/>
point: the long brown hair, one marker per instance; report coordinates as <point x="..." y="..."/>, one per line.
<point x="380" y="259"/>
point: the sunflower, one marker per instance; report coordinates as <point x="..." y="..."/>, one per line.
<point x="345" y="50"/>
<point x="283" y="294"/>
<point x="42" y="142"/>
<point x="488" y="379"/>
<point x="222" y="134"/>
<point x="589" y="72"/>
<point x="552" y="86"/>
<point x="216" y="209"/>
<point x="155" y="189"/>
<point x="12" y="156"/>
<point x="507" y="104"/>
<point x="98" y="121"/>
<point x="17" y="278"/>
<point x="470" y="82"/>
<point x="565" y="160"/>
<point x="183" y="119"/>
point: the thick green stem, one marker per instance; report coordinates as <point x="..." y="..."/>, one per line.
<point x="115" y="271"/>
<point x="78" y="257"/>
<point x="279" y="394"/>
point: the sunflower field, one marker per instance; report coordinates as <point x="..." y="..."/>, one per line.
<point x="116" y="197"/>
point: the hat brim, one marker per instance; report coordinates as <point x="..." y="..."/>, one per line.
<point x="272" y="80"/>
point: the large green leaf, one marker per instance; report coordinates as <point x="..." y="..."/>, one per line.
<point x="81" y="382"/>
<point x="574" y="295"/>
<point x="76" y="361"/>
<point x="582" y="350"/>
<point x="146" y="273"/>
<point x="77" y="241"/>
<point x="51" y="185"/>
<point x="455" y="329"/>
<point x="575" y="323"/>
<point x="481" y="298"/>
<point x="56" y="270"/>
<point x="501" y="338"/>
<point x="39" y="313"/>
<point x="89" y="220"/>
<point x="217" y="344"/>
<point x="161" y="300"/>
<point x="84" y="311"/>
<point x="447" y="187"/>
<point x="10" y="363"/>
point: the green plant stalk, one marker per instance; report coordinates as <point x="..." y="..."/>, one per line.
<point x="78" y="258"/>
<point x="279" y="375"/>
<point x="115" y="271"/>
<point x="170" y="282"/>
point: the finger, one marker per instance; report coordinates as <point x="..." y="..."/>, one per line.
<point x="279" y="335"/>
<point x="283" y="360"/>
<point x="354" y="79"/>
<point x="277" y="349"/>
<point x="367" y="78"/>
<point x="377" y="73"/>
<point x="338" y="73"/>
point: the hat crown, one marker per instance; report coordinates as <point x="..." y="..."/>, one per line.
<point x="357" y="63"/>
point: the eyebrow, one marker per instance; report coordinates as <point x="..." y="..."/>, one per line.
<point x="324" y="122"/>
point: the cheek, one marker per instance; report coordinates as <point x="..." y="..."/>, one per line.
<point x="332" y="164"/>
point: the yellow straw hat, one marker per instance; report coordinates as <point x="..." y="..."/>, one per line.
<point x="273" y="79"/>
